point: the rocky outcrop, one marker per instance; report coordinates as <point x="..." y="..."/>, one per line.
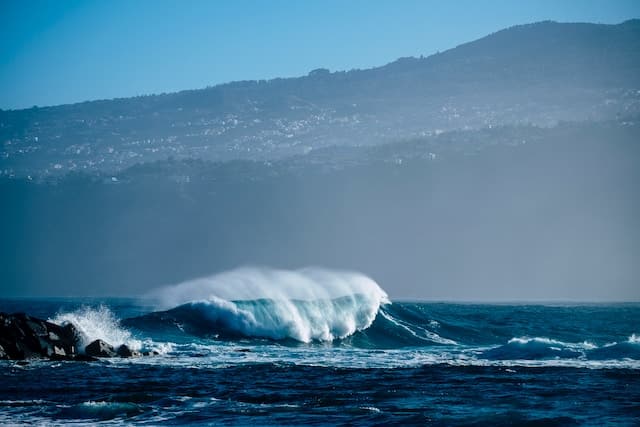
<point x="26" y="337"/>
<point x="125" y="351"/>
<point x="99" y="348"/>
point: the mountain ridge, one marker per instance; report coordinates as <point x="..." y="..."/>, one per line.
<point x="539" y="74"/>
<point x="630" y="24"/>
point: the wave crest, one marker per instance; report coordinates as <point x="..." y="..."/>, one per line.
<point x="304" y="305"/>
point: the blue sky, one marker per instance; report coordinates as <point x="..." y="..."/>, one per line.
<point x="55" y="52"/>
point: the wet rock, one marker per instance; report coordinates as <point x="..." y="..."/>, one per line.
<point x="125" y="351"/>
<point x="99" y="348"/>
<point x="26" y="337"/>
<point x="57" y="351"/>
<point x="69" y="330"/>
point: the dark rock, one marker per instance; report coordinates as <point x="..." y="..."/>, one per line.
<point x="26" y="337"/>
<point x="69" y="330"/>
<point x="125" y="351"/>
<point x="99" y="348"/>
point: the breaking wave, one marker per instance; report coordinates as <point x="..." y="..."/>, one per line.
<point x="98" y="323"/>
<point x="252" y="283"/>
<point x="305" y="305"/>
<point x="349" y="309"/>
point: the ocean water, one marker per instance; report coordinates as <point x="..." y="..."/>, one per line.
<point x="338" y="352"/>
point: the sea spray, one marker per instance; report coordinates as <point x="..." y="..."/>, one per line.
<point x="252" y="283"/>
<point x="305" y="305"/>
<point x="98" y="323"/>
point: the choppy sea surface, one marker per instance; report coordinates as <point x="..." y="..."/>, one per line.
<point x="355" y="359"/>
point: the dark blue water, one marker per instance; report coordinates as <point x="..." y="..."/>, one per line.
<point x="251" y="362"/>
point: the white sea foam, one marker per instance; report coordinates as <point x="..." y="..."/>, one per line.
<point x="251" y="283"/>
<point x="221" y="356"/>
<point x="306" y="305"/>
<point x="585" y="345"/>
<point x="98" y="323"/>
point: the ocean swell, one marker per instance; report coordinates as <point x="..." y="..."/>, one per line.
<point x="540" y="348"/>
<point x="304" y="305"/>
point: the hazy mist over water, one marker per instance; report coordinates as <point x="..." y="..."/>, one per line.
<point x="505" y="169"/>
<point x="518" y="223"/>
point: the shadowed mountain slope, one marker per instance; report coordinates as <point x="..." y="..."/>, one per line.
<point x="537" y="74"/>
